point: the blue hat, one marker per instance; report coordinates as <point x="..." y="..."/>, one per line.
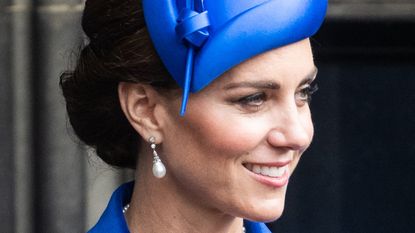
<point x="198" y="40"/>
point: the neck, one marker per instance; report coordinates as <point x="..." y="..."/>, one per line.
<point x="158" y="205"/>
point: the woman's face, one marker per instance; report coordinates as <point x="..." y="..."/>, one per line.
<point x="243" y="135"/>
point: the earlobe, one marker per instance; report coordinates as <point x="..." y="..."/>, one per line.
<point x="138" y="102"/>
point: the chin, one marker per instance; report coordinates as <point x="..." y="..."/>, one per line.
<point x="267" y="216"/>
<point x="266" y="212"/>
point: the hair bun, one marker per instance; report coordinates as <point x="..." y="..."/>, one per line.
<point x="101" y="21"/>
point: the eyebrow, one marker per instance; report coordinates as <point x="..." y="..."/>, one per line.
<point x="268" y="84"/>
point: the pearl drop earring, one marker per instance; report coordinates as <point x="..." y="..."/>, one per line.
<point x="159" y="170"/>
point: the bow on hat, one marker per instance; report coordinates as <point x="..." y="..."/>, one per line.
<point x="198" y="40"/>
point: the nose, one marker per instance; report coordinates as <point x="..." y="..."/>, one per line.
<point x="293" y="131"/>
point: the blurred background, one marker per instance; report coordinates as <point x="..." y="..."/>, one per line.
<point x="357" y="177"/>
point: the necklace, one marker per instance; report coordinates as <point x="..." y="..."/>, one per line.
<point x="126" y="207"/>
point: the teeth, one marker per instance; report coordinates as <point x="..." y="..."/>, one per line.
<point x="256" y="169"/>
<point x="276" y="172"/>
<point x="267" y="171"/>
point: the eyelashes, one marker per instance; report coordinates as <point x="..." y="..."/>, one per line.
<point x="307" y="92"/>
<point x="254" y="99"/>
<point x="252" y="102"/>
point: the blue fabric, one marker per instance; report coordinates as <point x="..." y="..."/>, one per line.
<point x="191" y="26"/>
<point x="225" y="33"/>
<point x="113" y="221"/>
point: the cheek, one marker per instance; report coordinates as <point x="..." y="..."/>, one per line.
<point x="227" y="132"/>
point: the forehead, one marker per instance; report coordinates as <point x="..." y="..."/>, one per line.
<point x="292" y="61"/>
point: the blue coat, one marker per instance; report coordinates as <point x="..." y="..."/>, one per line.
<point x="112" y="220"/>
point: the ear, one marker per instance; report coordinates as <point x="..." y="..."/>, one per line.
<point x="139" y="103"/>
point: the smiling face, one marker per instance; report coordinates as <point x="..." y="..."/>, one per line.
<point x="242" y="136"/>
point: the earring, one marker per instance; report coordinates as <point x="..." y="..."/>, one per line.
<point x="159" y="170"/>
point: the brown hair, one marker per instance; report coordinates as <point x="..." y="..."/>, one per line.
<point x="119" y="49"/>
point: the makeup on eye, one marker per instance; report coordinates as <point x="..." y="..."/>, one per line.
<point x="307" y="88"/>
<point x="305" y="93"/>
<point x="250" y="103"/>
<point x="250" y="96"/>
<point x="255" y="99"/>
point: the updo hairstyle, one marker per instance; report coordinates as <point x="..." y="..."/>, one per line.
<point x="119" y="50"/>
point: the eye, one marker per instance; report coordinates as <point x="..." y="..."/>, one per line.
<point x="305" y="93"/>
<point x="252" y="101"/>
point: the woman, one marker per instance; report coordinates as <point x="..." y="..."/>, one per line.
<point x="222" y="163"/>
